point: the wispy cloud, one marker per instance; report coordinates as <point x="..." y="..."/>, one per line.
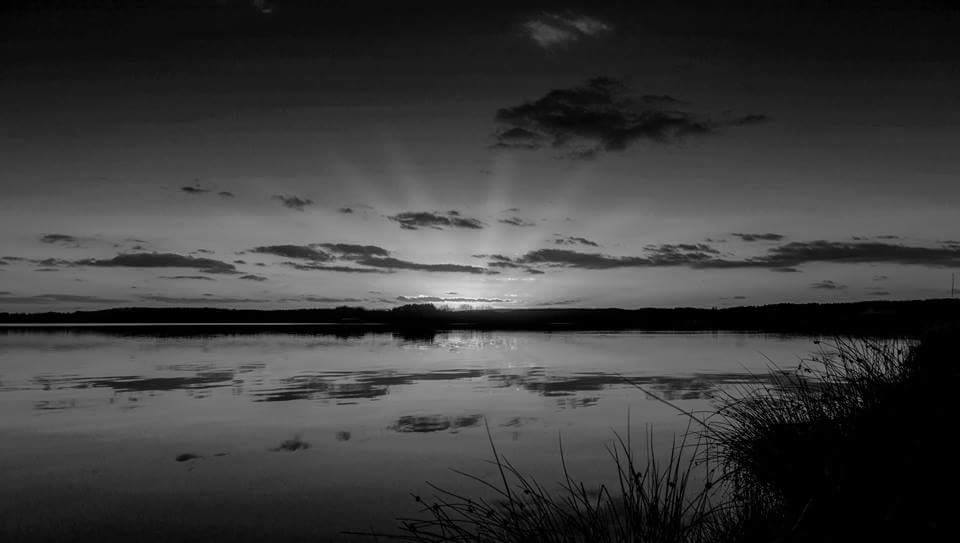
<point x="828" y="285"/>
<point x="304" y="252"/>
<point x="551" y="30"/>
<point x="441" y="299"/>
<point x="516" y="221"/>
<point x="293" y="202"/>
<point x="769" y="236"/>
<point x="397" y="264"/>
<point x="575" y="240"/>
<point x="349" y="250"/>
<point x="783" y="258"/>
<point x="341" y="269"/>
<point x="161" y="260"/>
<point x="414" y="220"/>
<point x="57" y="298"/>
<point x="205" y="299"/>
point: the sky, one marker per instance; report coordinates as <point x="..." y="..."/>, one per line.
<point x="288" y="154"/>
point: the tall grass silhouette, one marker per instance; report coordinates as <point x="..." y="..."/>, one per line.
<point x="817" y="453"/>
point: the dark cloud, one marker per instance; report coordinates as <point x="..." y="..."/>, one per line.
<point x="350" y="251"/>
<point x="342" y="269"/>
<point x="783" y="258"/>
<point x="516" y="221"/>
<point x="574" y="240"/>
<point x="440" y="299"/>
<point x="293" y="202"/>
<point x="252" y="277"/>
<point x="599" y="116"/>
<point x="552" y="30"/>
<point x="880" y="277"/>
<point x="397" y="264"/>
<point x="750" y="119"/>
<point x="194" y="190"/>
<point x="801" y="252"/>
<point x="769" y="236"/>
<point x="566" y="301"/>
<point x="197" y="277"/>
<point x="161" y="260"/>
<point x="226" y="194"/>
<point x="206" y="299"/>
<point x="533" y="271"/>
<point x="64" y="239"/>
<point x="325" y="300"/>
<point x="54" y="298"/>
<point x="827" y="285"/>
<point x="346" y="210"/>
<point x="413" y="220"/>
<point x="304" y="252"/>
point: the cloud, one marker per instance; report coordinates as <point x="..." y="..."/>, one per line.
<point x="574" y="240"/>
<point x="566" y="301"/>
<point x="782" y="258"/>
<point x="551" y="30"/>
<point x="293" y="202"/>
<point x="516" y="221"/>
<point x="226" y="194"/>
<point x="441" y="299"/>
<point x="397" y="264"/>
<point x="304" y="252"/>
<point x="769" y="236"/>
<point x="54" y="298"/>
<point x="345" y="210"/>
<point x="252" y="277"/>
<point x="161" y="260"/>
<point x="194" y="190"/>
<point x="350" y="251"/>
<point x="599" y="116"/>
<point x="325" y="300"/>
<point x="63" y="239"/>
<point x="343" y="269"/>
<point x="206" y="299"/>
<point x="827" y="285"/>
<point x="414" y="220"/>
<point x="197" y="277"/>
<point x="802" y="252"/>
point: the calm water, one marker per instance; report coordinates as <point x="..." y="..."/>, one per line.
<point x="92" y="425"/>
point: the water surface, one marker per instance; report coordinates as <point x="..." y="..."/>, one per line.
<point x="228" y="437"/>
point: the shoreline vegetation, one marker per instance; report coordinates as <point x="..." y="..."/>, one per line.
<point x="874" y="318"/>
<point x="849" y="446"/>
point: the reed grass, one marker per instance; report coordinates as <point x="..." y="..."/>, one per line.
<point x="845" y="447"/>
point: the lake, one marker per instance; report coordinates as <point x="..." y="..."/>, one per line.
<point x="294" y="436"/>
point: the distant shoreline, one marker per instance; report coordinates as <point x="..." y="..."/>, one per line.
<point x="875" y="317"/>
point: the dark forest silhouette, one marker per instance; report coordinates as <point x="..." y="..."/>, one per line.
<point x="881" y="317"/>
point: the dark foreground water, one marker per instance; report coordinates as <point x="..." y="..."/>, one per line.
<point x="299" y="437"/>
